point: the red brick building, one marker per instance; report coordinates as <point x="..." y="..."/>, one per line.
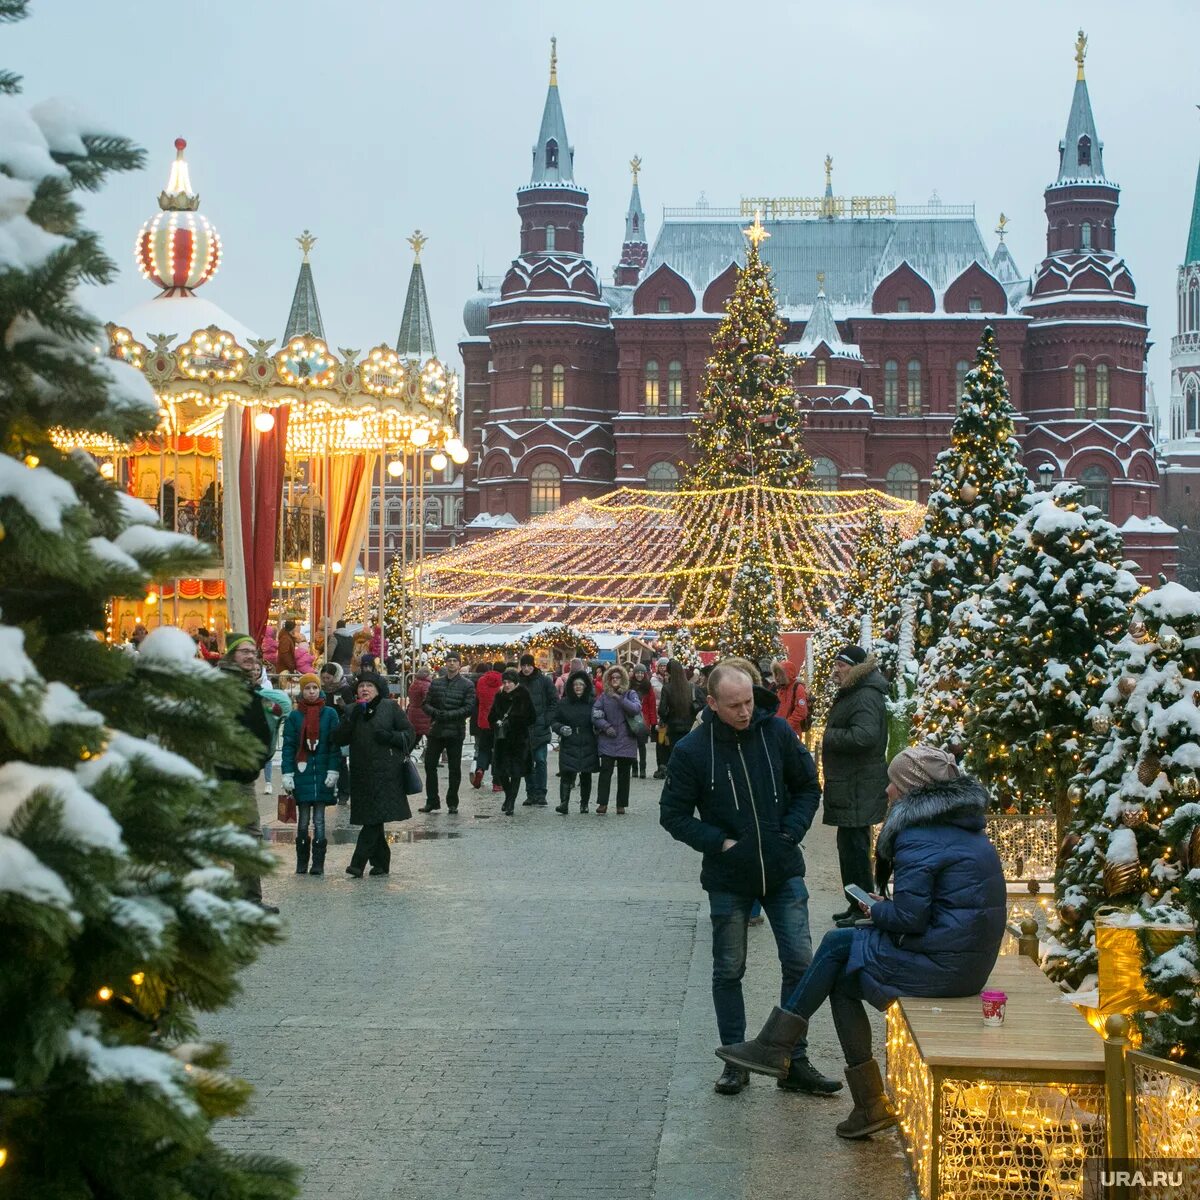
<point x="573" y="387"/>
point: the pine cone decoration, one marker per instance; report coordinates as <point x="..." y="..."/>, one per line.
<point x="1131" y="818"/>
<point x="1148" y="769"/>
<point x="1121" y="877"/>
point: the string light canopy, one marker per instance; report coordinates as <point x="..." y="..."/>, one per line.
<point x="614" y="563"/>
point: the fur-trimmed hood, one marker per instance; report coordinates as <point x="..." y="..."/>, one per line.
<point x="961" y="802"/>
<point x="861" y="674"/>
<point x="624" y="678"/>
<point x="589" y="691"/>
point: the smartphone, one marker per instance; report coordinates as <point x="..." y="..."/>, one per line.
<point x="858" y="895"/>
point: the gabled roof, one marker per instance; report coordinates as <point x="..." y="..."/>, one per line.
<point x="305" y="315"/>
<point x="416" y="326"/>
<point x="821" y="327"/>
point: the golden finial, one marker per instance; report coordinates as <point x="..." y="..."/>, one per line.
<point x="554" y="62"/>
<point x="1002" y="227"/>
<point x="306" y="242"/>
<point x="829" y="170"/>
<point x="417" y="240"/>
<point x="1080" y="53"/>
<point x="756" y="233"/>
<point x="820" y="281"/>
<point x="635" y="165"/>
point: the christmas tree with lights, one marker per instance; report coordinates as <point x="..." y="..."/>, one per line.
<point x="750" y="628"/>
<point x="977" y="488"/>
<point x="399" y="613"/>
<point x="1061" y="596"/>
<point x="120" y="915"/>
<point x="1133" y="842"/>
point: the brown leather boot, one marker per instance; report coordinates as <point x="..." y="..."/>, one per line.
<point x="771" y="1052"/>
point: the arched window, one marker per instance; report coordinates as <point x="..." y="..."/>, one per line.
<point x="551" y="233"/>
<point x="903" y="482"/>
<point x="1085" y="236"/>
<point x="1193" y="305"/>
<point x="1085" y="151"/>
<point x="433" y="513"/>
<point x="558" y="387"/>
<point x="674" y="386"/>
<point x="1095" y="482"/>
<point x="914" y="385"/>
<point x="544" y="488"/>
<point x="1080" y="390"/>
<point x="458" y="513"/>
<point x="961" y="369"/>
<point x="551" y="154"/>
<point x="650" y="385"/>
<point x="824" y="478"/>
<point x="891" y="387"/>
<point x="1102" y="389"/>
<point x="662" y="477"/>
<point x="535" y="389"/>
<point x="822" y="371"/>
<point x="1191" y="393"/>
<point x="395" y="512"/>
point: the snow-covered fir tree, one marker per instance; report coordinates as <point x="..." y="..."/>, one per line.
<point x="750" y="628"/>
<point x="1141" y="768"/>
<point x="399" y="614"/>
<point x="120" y="917"/>
<point x="977" y="487"/>
<point x="1061" y="596"/>
<point x="942" y="688"/>
<point x="682" y="646"/>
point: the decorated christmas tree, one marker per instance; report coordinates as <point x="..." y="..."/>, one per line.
<point x="1130" y="843"/>
<point x="120" y="915"/>
<point x="942" y="692"/>
<point x="399" y="613"/>
<point x="1061" y="596"/>
<point x="680" y="645"/>
<point x="751" y="626"/>
<point x="977" y="487"/>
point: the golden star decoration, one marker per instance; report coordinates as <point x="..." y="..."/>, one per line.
<point x="756" y="233"/>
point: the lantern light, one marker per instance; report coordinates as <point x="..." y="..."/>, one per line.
<point x="420" y="436"/>
<point x="107" y="470"/>
<point x="306" y="563"/>
<point x="264" y="422"/>
<point x="438" y="461"/>
<point x="459" y="454"/>
<point x="395" y="468"/>
<point x="336" y="567"/>
<point x="151" y="599"/>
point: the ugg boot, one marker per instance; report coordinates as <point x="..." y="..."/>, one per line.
<point x="771" y="1052"/>
<point x="302" y="856"/>
<point x="872" y="1111"/>
<point x="319" y="846"/>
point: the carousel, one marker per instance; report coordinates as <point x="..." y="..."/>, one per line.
<point x="267" y="453"/>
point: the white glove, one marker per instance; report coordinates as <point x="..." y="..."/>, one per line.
<point x="331" y="778"/>
<point x="302" y="767"/>
<point x="289" y="782"/>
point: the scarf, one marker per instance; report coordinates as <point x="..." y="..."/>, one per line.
<point x="310" y="730"/>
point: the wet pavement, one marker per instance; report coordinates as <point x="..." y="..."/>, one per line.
<point x="522" y="1009"/>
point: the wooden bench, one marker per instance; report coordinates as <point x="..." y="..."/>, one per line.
<point x="1013" y="1111"/>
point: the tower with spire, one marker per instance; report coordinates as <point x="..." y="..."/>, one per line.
<point x="304" y="317"/>
<point x="415" y="340"/>
<point x="635" y="250"/>
<point x="539" y="397"/>
<point x="1085" y="381"/>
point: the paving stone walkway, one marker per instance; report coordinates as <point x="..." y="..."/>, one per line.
<point x="522" y="1009"/>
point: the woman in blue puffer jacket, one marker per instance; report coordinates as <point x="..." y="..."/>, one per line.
<point x="939" y="935"/>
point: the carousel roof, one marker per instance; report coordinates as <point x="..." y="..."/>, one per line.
<point x="180" y="314"/>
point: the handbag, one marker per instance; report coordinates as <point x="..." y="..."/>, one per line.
<point x="285" y="807"/>
<point x="637" y="725"/>
<point x="663" y="736"/>
<point x="412" y="778"/>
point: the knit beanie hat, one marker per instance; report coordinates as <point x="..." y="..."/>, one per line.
<point x="527" y="660"/>
<point x="309" y="677"/>
<point x="918" y="766"/>
<point x="234" y="640"/>
<point x="854" y="655"/>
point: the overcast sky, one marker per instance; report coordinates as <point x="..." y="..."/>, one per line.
<point x="365" y="119"/>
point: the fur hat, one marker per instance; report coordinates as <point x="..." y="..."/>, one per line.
<point x="854" y="655"/>
<point x="309" y="677"/>
<point x="378" y="681"/>
<point x="918" y="766"/>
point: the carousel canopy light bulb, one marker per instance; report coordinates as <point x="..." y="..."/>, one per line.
<point x="107" y="470"/>
<point x="395" y="468"/>
<point x="151" y="599"/>
<point x="336" y="568"/>
<point x="306" y="563"/>
<point x="355" y="430"/>
<point x="460" y="455"/>
<point x="438" y="461"/>
<point x="264" y="422"/>
<point x="420" y="436"/>
<point x="453" y="445"/>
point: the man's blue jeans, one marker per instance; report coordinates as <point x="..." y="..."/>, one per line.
<point x="535" y="781"/>
<point x="787" y="910"/>
<point x="827" y="978"/>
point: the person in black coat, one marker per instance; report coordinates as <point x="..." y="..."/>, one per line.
<point x="380" y="736"/>
<point x="339" y="695"/>
<point x="512" y="719"/>
<point x="544" y="696"/>
<point x="449" y="703"/>
<point x="577" y="752"/>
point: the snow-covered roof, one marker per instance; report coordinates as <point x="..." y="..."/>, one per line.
<point x="493" y="521"/>
<point x="1147" y="525"/>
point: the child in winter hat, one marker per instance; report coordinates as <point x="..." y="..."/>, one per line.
<point x="919" y="766"/>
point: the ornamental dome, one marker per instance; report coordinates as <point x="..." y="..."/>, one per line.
<point x="178" y="249"/>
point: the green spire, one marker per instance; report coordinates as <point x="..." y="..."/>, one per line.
<point x="416" y="326"/>
<point x="305" y="314"/>
<point x="1193" y="247"/>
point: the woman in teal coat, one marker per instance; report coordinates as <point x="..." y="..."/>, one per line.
<point x="310" y="770"/>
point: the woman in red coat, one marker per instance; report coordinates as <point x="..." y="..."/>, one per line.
<point x="641" y="684"/>
<point x="793" y="696"/>
<point x="418" y="718"/>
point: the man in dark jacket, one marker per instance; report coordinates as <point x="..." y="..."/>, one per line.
<point x="241" y="660"/>
<point x="854" y="764"/>
<point x="544" y="696"/>
<point x="449" y="702"/>
<point x="742" y="790"/>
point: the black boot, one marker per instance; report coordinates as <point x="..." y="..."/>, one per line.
<point x="872" y="1111"/>
<point x="771" y="1052"/>
<point x="732" y="1080"/>
<point x="319" y="846"/>
<point x="302" y="856"/>
<point x="564" y="798"/>
<point x="802" y="1076"/>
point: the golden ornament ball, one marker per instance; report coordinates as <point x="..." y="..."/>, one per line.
<point x="925" y="635"/>
<point x="1131" y="818"/>
<point x="1101" y="723"/>
<point x="1125" y="685"/>
<point x="1187" y="785"/>
<point x="1148" y="769"/>
<point x="1075" y="793"/>
<point x="1137" y="629"/>
<point x="1121" y="877"/>
<point x="1070" y="913"/>
<point x="968" y="492"/>
<point x="1169" y="642"/>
